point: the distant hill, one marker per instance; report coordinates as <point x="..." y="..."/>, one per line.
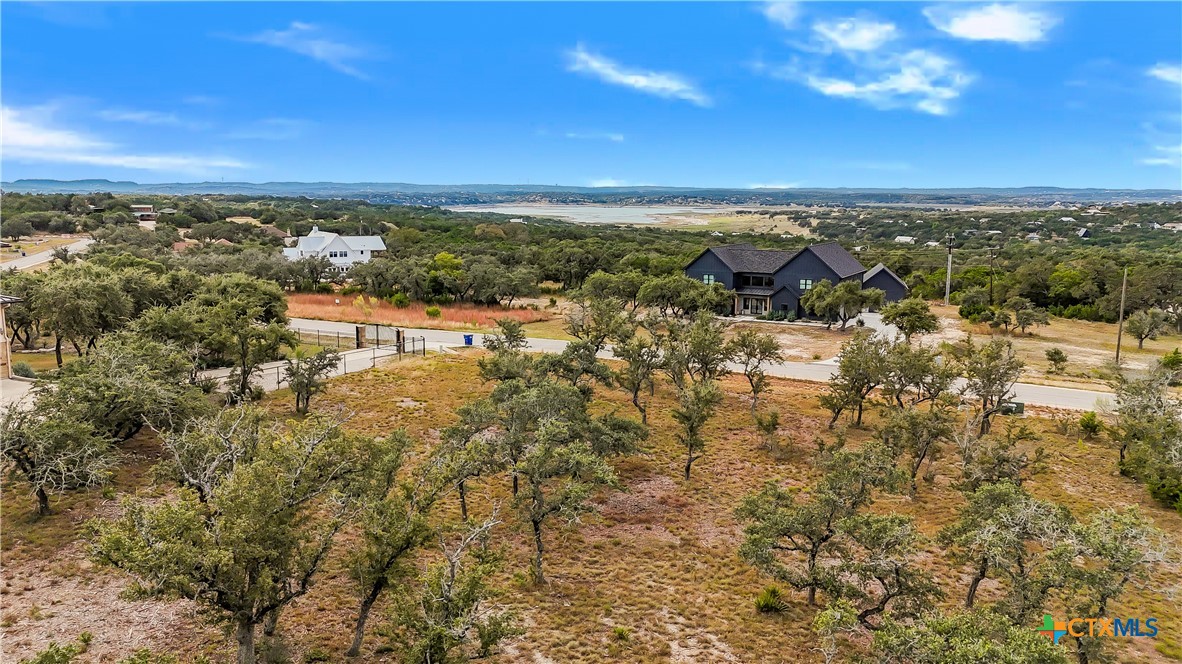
<point x="473" y="194"/>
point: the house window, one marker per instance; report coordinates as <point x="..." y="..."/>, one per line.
<point x="708" y="279"/>
<point x="806" y="284"/>
<point x="756" y="281"/>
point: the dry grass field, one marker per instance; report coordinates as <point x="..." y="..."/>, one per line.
<point x="658" y="561"/>
<point x="373" y="310"/>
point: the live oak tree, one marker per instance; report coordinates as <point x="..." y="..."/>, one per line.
<point x="694" y="356"/>
<point x="448" y="619"/>
<point x="792" y="537"/>
<point x="252" y="522"/>
<point x="919" y="434"/>
<point x="1003" y="532"/>
<point x="468" y="447"/>
<point x="860" y="369"/>
<point x="1147" y="430"/>
<point x="559" y="472"/>
<point x="1115" y="548"/>
<point x="753" y="350"/>
<point x="976" y="636"/>
<point x="392" y="514"/>
<point x="1146" y="325"/>
<point x="695" y="350"/>
<point x="79" y="303"/>
<point x="1030" y="317"/>
<point x="306" y="375"/>
<point x="991" y="370"/>
<point x="913" y="374"/>
<point x="696" y="405"/>
<point x="52" y="451"/>
<point x="877" y="571"/>
<point x="642" y="359"/>
<point x="912" y="316"/>
<point x="998" y="457"/>
<point x="128" y="382"/>
<point x="842" y="302"/>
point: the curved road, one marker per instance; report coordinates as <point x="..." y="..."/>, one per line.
<point x="33" y="260"/>
<point x="1038" y="395"/>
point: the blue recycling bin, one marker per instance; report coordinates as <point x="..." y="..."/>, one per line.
<point x="467" y="339"/>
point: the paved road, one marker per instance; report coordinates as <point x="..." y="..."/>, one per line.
<point x="33" y="260"/>
<point x="1040" y="395"/>
<point x="270" y="375"/>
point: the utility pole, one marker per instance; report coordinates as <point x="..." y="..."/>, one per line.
<point x="1120" y="326"/>
<point x="948" y="271"/>
<point x="992" y="255"/>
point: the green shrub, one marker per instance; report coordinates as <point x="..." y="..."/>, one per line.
<point x="622" y="634"/>
<point x="770" y="601"/>
<point x="400" y="300"/>
<point x="1090" y="424"/>
<point x="317" y="655"/>
<point x="433" y="312"/>
<point x="23" y="369"/>
<point x="773" y="314"/>
<point x="1058" y="360"/>
<point x="973" y="311"/>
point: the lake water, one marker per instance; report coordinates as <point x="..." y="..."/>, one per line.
<point x="593" y="214"/>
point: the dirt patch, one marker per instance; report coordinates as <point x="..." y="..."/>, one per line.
<point x="41" y="604"/>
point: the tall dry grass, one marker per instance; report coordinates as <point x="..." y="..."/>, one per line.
<point x="373" y="310"/>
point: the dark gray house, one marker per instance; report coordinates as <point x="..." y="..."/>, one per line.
<point x="766" y="279"/>
<point x="880" y="276"/>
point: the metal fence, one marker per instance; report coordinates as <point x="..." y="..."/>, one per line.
<point x="272" y="376"/>
<point x="326" y="338"/>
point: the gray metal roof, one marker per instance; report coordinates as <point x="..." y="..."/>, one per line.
<point x="837" y="258"/>
<point x="752" y="290"/>
<point x="9" y="299"/>
<point x="872" y="272"/>
<point x="747" y="258"/>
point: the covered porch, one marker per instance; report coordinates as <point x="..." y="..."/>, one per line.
<point x="752" y="301"/>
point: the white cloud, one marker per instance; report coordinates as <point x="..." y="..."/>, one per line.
<point x="595" y="136"/>
<point x="1166" y="72"/>
<point x="995" y="22"/>
<point x="784" y="14"/>
<point x="1168" y="155"/>
<point x="613" y="182"/>
<point x="855" y="34"/>
<point x="27" y="137"/>
<point x="661" y="84"/>
<point x="270" y="129"/>
<point x="147" y="118"/>
<point x="918" y="79"/>
<point x="776" y="185"/>
<point x="311" y="41"/>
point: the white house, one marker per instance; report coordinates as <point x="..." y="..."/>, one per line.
<point x="905" y="239"/>
<point x="343" y="251"/>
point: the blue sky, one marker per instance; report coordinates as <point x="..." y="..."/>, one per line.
<point x="696" y="94"/>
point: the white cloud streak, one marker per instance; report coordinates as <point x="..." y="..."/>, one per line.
<point x="1166" y="72"/>
<point x="147" y="118"/>
<point x="1167" y="155"/>
<point x="1019" y="24"/>
<point x="27" y="137"/>
<point x="784" y="14"/>
<point x="855" y="34"/>
<point x="310" y="40"/>
<point x="776" y="185"/>
<point x="667" y="85"/>
<point x="919" y="80"/>
<point x="595" y="136"/>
